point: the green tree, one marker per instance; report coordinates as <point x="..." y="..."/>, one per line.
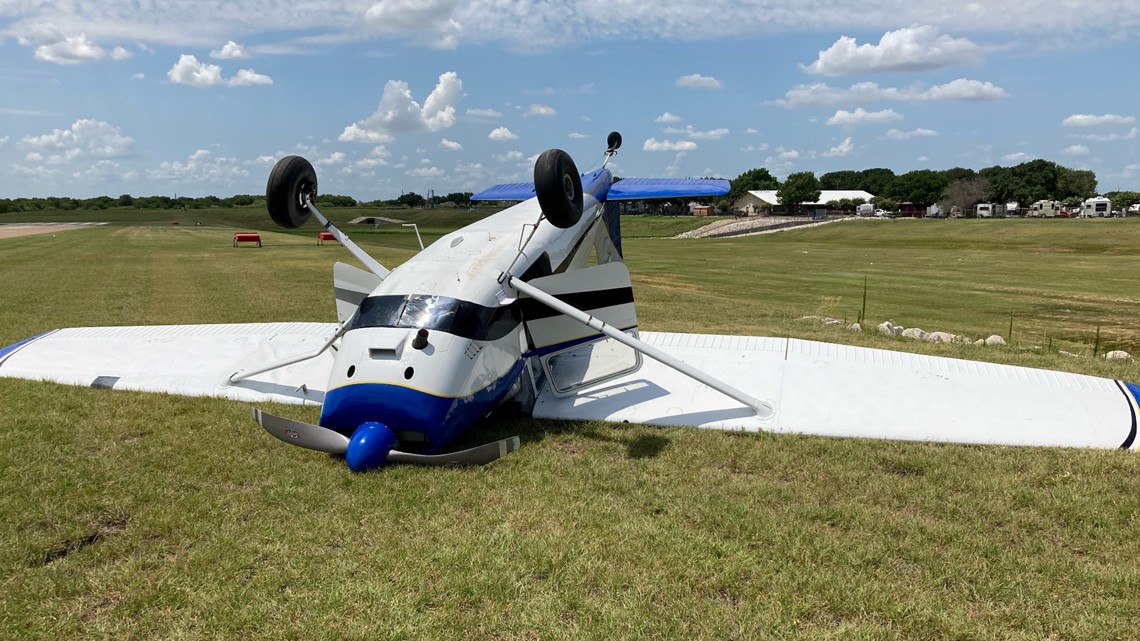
<point x="800" y="187"/>
<point x="922" y="187"/>
<point x="964" y="193"/>
<point x="411" y="199"/>
<point x="845" y="179"/>
<point x="876" y="181"/>
<point x="751" y="180"/>
<point x="1075" y="182"/>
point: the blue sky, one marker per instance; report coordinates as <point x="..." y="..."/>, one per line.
<point x="386" y="96"/>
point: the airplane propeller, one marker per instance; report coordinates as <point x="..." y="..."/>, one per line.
<point x="371" y="444"/>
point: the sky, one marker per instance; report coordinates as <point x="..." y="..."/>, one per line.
<point x="106" y="97"/>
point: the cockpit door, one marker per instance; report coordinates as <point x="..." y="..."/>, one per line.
<point x="573" y="355"/>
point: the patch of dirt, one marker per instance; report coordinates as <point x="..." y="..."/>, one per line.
<point x="570" y="448"/>
<point x="102" y="529"/>
<point x="670" y="281"/>
<point x="15" y="230"/>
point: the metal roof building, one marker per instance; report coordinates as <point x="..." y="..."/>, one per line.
<point x="767" y="197"/>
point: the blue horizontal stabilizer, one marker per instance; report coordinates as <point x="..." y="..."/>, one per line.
<point x="645" y="188"/>
<point x="506" y="191"/>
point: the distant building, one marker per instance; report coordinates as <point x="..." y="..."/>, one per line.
<point x="754" y="201"/>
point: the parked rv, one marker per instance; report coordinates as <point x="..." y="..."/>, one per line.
<point x="1045" y="209"/>
<point x="866" y="209"/>
<point x="1098" y="207"/>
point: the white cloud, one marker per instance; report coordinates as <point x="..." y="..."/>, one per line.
<point x="691" y="132"/>
<point x="755" y="148"/>
<point x="188" y="71"/>
<point x="200" y="167"/>
<point x="863" y="117"/>
<point x="668" y="118"/>
<point x="230" y="51"/>
<point x="653" y="144"/>
<point x="398" y="112"/>
<point x="450" y="145"/>
<point x="1075" y="150"/>
<point x="70" y="50"/>
<point x="3" y="141"/>
<point x="823" y="95"/>
<point x="502" y="133"/>
<point x="842" y="149"/>
<point x="425" y="172"/>
<point x="483" y="113"/>
<point x="1019" y="156"/>
<point x="577" y="136"/>
<point x="119" y="53"/>
<point x="895" y="134"/>
<point x="540" y="110"/>
<point x="751" y="130"/>
<point x="335" y="158"/>
<point x="249" y="77"/>
<point x="528" y="25"/>
<point x="510" y="156"/>
<point x="917" y="48"/>
<point x="84" y="139"/>
<point x="922" y="159"/>
<point x="1087" y="120"/>
<point x="697" y="81"/>
<point x="138" y="76"/>
<point x="1109" y="137"/>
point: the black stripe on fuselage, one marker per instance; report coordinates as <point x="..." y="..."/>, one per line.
<point x="534" y="310"/>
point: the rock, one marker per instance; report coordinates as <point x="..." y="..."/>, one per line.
<point x="915" y="333"/>
<point x="939" y="337"/>
<point x="887" y="328"/>
<point x="809" y="318"/>
<point x="1118" y="355"/>
<point x="1070" y="354"/>
<point x="855" y="327"/>
<point x="832" y="321"/>
<point x="979" y="342"/>
<point x="995" y="340"/>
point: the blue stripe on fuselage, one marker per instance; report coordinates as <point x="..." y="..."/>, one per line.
<point x="439" y="418"/>
<point x="5" y="352"/>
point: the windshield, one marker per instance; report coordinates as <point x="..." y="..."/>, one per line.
<point x="441" y="313"/>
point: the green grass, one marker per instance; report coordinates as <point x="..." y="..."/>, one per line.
<point x="142" y="516"/>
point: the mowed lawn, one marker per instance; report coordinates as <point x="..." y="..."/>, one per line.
<point x="144" y="516"/>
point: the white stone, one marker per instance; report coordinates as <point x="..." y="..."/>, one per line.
<point x="995" y="340"/>
<point x="1069" y="354"/>
<point x="855" y="327"/>
<point x="832" y="321"/>
<point x="980" y="342"/>
<point x="914" y="332"/>
<point x="1118" y="355"/>
<point x="887" y="328"/>
<point x="941" y="337"/>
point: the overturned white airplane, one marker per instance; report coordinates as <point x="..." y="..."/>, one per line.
<point x="508" y="309"/>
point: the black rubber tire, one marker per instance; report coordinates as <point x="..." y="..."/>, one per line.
<point x="559" y="188"/>
<point x="291" y="183"/>
<point x="613" y="141"/>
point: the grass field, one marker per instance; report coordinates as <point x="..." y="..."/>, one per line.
<point x="143" y="516"/>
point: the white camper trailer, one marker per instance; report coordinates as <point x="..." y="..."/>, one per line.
<point x="1045" y="209"/>
<point x="1098" y="207"/>
<point x="984" y="210"/>
<point x="866" y="209"/>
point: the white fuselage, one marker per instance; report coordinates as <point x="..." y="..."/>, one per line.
<point x="475" y="343"/>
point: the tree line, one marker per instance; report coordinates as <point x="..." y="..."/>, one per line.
<point x="126" y="201"/>
<point x="959" y="187"/>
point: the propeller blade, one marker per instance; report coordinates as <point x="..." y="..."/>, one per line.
<point x="313" y="437"/>
<point x="480" y="455"/>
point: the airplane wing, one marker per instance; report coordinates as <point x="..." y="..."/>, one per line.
<point x="837" y="390"/>
<point x="190" y="360"/>
<point x="648" y="188"/>
<point x="507" y="192"/>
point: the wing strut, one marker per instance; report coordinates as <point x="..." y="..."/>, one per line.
<point x="762" y="409"/>
<point x="241" y="375"/>
<point x="354" y="249"/>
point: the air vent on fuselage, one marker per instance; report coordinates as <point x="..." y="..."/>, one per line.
<point x="383" y="353"/>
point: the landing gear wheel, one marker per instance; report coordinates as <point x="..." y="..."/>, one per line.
<point x="613" y="141"/>
<point x="559" y="188"/>
<point x="292" y="183"/>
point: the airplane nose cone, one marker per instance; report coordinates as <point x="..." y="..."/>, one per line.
<point x="368" y="449"/>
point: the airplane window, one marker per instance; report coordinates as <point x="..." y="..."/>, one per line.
<point x="451" y="315"/>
